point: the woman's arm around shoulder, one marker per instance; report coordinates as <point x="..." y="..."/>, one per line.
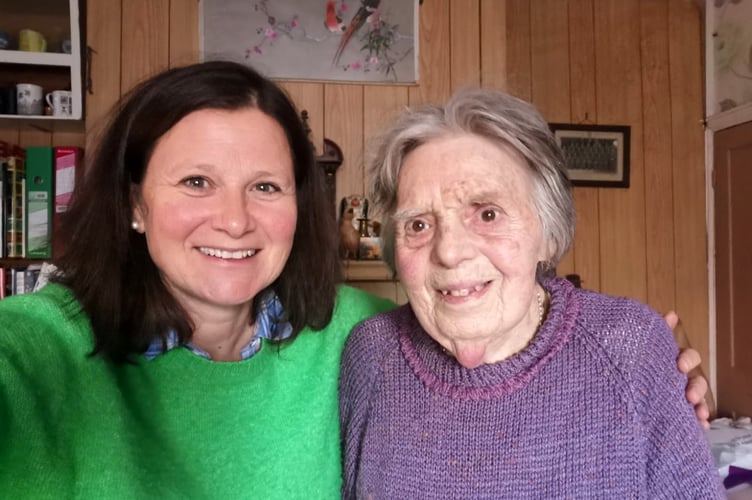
<point x="679" y="462"/>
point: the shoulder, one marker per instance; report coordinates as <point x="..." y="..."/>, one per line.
<point x="44" y="318"/>
<point x="624" y="329"/>
<point x="354" y="305"/>
<point x="378" y="334"/>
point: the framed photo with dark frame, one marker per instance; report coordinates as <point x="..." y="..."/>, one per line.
<point x="595" y="155"/>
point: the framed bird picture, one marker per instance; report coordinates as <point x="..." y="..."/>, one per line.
<point x="360" y="41"/>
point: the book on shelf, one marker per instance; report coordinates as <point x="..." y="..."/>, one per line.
<point x="3" y="154"/>
<point x="39" y="201"/>
<point x="14" y="202"/>
<point x="67" y="161"/>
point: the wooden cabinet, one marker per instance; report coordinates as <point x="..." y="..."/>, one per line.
<point x="59" y="21"/>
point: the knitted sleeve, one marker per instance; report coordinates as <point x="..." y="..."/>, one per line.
<point x="358" y="382"/>
<point x="679" y="462"/>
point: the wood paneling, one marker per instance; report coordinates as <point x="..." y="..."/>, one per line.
<point x="586" y="251"/>
<point x="183" y="32"/>
<point x="619" y="101"/>
<point x="493" y="44"/>
<point x="549" y="55"/>
<point x="594" y="61"/>
<point x="104" y="25"/>
<point x="145" y="40"/>
<point x="465" y="49"/>
<point x="435" y="51"/>
<point x="343" y="124"/>
<point x="656" y="113"/>
<point x="687" y="163"/>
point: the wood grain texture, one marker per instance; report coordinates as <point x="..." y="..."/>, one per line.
<point x="103" y="36"/>
<point x="518" y="49"/>
<point x="549" y="55"/>
<point x="309" y="97"/>
<point x="464" y="43"/>
<point x="687" y="158"/>
<point x="145" y="40"/>
<point x="434" y="84"/>
<point x="343" y="123"/>
<point x="586" y="251"/>
<point x="493" y="44"/>
<point x="184" y="41"/>
<point x="619" y="101"/>
<point x="656" y="109"/>
<point x="381" y="104"/>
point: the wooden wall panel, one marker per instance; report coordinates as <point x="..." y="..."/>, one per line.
<point x="549" y="54"/>
<point x="309" y="97"/>
<point x="518" y="49"/>
<point x="434" y="79"/>
<point x="493" y="45"/>
<point x="343" y="123"/>
<point x="145" y="40"/>
<point x="464" y="43"/>
<point x="103" y="30"/>
<point x="619" y="101"/>
<point x="586" y="251"/>
<point x="381" y="104"/>
<point x="657" y="147"/>
<point x="183" y="31"/>
<point x="687" y="156"/>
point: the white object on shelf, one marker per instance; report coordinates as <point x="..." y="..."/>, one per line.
<point x="72" y="61"/>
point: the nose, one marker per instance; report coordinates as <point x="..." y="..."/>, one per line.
<point x="452" y="244"/>
<point x="235" y="214"/>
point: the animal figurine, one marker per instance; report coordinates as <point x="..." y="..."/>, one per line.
<point x="349" y="239"/>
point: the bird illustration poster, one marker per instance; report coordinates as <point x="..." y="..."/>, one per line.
<point x="346" y="40"/>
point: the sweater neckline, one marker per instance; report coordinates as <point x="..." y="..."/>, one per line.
<point x="441" y="373"/>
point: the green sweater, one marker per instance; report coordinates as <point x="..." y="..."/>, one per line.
<point x="179" y="426"/>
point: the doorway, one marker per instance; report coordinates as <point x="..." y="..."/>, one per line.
<point x="732" y="182"/>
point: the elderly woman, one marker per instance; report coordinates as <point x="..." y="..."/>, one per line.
<point x="498" y="380"/>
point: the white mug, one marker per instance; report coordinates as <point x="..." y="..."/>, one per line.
<point x="61" y="102"/>
<point x="29" y="99"/>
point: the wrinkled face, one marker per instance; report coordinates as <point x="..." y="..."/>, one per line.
<point x="467" y="244"/>
<point x="218" y="207"/>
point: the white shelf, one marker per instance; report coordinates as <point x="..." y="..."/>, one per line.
<point x="36" y="58"/>
<point x="49" y="69"/>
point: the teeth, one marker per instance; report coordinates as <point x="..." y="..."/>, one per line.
<point x="464" y="292"/>
<point x="224" y="254"/>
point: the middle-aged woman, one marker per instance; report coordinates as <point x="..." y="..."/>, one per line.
<point x="498" y="380"/>
<point x="200" y="237"/>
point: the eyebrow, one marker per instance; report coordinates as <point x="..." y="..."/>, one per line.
<point x="407" y="213"/>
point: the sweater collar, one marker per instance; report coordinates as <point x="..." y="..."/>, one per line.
<point x="441" y="372"/>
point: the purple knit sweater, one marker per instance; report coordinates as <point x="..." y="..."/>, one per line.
<point x="594" y="407"/>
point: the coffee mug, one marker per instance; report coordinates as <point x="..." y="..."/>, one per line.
<point x="29" y="99"/>
<point x="4" y="40"/>
<point x="32" y="41"/>
<point x="61" y="102"/>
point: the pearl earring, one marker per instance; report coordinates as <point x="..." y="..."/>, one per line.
<point x="134" y="225"/>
